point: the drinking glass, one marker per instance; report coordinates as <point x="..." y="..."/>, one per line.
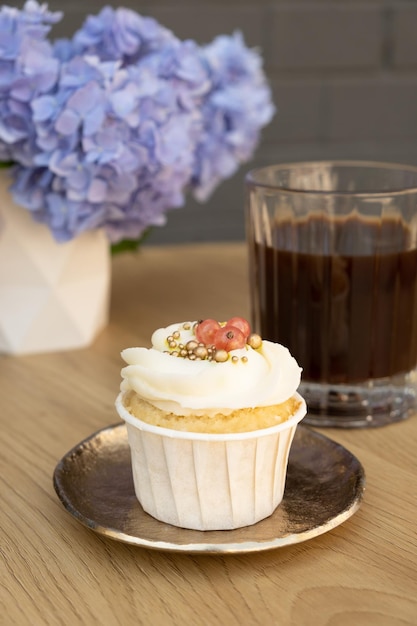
<point x="333" y="277"/>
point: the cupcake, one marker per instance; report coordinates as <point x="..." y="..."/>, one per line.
<point x="211" y="411"/>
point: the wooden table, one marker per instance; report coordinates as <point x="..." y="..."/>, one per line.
<point x="56" y="571"/>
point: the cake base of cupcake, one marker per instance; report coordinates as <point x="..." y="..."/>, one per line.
<point x="204" y="481"/>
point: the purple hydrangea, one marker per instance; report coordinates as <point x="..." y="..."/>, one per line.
<point x="237" y="106"/>
<point x="112" y="128"/>
<point x="116" y="146"/>
<point x="27" y="69"/>
<point x="121" y="35"/>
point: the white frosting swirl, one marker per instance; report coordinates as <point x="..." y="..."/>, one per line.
<point x="269" y="376"/>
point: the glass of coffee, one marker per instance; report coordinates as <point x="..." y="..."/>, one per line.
<point x="333" y="277"/>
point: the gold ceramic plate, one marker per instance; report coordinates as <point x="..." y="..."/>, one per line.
<point x="324" y="487"/>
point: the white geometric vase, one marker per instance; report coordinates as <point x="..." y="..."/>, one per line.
<point x="53" y="296"/>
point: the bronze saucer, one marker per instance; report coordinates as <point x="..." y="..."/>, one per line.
<point x="325" y="486"/>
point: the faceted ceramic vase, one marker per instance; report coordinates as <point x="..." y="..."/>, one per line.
<point x="53" y="296"/>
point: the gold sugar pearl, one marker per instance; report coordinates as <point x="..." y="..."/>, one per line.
<point x="201" y="352"/>
<point x="220" y="356"/>
<point x="235" y="359"/>
<point x="191" y="345"/>
<point x="186" y="326"/>
<point x="172" y="344"/>
<point x="255" y="341"/>
<point x="192" y="357"/>
<point x="183" y="353"/>
<point x="174" y="353"/>
<point x="244" y="359"/>
<point x="176" y="335"/>
<point x="170" y="338"/>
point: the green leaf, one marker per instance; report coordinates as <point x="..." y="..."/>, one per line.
<point x="130" y="245"/>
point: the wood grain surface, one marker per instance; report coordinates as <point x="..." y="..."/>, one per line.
<point x="55" y="571"/>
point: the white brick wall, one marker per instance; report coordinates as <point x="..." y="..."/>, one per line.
<point x="344" y="78"/>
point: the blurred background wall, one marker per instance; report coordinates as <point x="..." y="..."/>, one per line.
<point x="343" y="74"/>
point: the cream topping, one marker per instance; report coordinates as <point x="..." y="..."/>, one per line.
<point x="267" y="375"/>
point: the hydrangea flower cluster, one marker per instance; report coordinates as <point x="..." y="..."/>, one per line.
<point x="113" y="127"/>
<point x="27" y="69"/>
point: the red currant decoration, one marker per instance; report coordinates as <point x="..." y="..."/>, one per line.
<point x="205" y="331"/>
<point x="229" y="338"/>
<point x="241" y="324"/>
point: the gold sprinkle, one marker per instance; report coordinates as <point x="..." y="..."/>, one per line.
<point x="183" y="353"/>
<point x="255" y="341"/>
<point x="176" y="335"/>
<point x="174" y="353"/>
<point x="235" y="359"/>
<point x="172" y="344"/>
<point x="220" y="356"/>
<point x="192" y="357"/>
<point x="170" y="338"/>
<point x="244" y="359"/>
<point x="186" y="326"/>
<point x="201" y="352"/>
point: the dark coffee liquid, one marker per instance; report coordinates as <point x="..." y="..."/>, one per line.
<point x="347" y="316"/>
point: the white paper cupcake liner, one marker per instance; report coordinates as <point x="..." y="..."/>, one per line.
<point x="209" y="481"/>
